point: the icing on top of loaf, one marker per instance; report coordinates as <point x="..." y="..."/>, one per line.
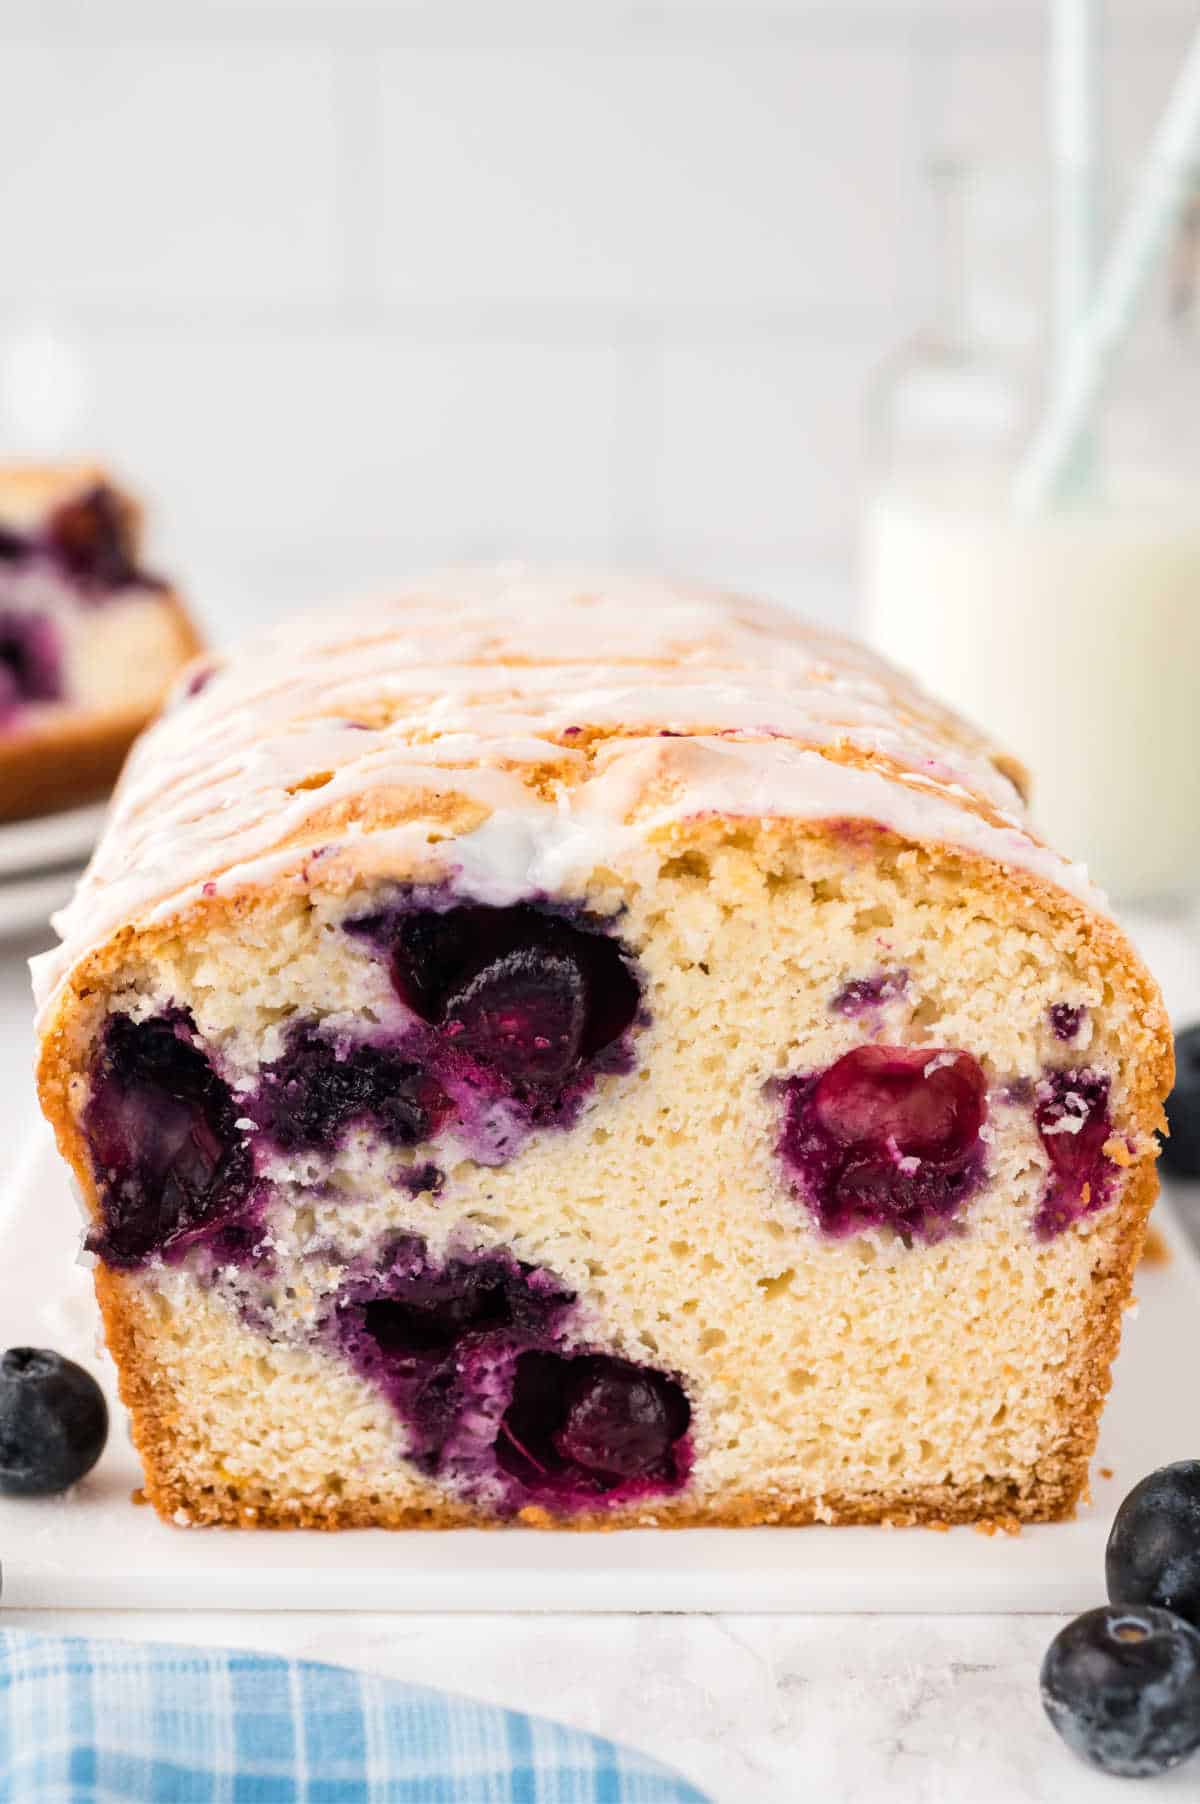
<point x="575" y="715"/>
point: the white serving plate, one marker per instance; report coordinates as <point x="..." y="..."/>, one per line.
<point x="40" y="863"/>
<point x="51" y="841"/>
<point x="26" y="903"/>
<point x="94" y="1549"/>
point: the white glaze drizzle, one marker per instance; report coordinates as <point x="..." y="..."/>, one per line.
<point x="701" y="703"/>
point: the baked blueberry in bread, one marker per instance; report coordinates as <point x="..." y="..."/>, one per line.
<point x="89" y="641"/>
<point x="586" y="1052"/>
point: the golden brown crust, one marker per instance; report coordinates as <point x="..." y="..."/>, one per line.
<point x="695" y="701"/>
<point x="63" y="766"/>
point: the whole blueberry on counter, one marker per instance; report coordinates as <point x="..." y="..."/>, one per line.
<point x="1153" y="1553"/>
<point x="1181" y="1153"/>
<point x="53" y="1422"/>
<point x="1122" y="1687"/>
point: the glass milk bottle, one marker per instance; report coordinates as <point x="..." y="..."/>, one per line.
<point x="1074" y="636"/>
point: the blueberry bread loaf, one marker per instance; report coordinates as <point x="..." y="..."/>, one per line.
<point x="588" y="1053"/>
<point x="89" y="642"/>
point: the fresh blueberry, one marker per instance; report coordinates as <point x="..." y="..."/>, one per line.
<point x="53" y="1422"/>
<point x="1153" y="1554"/>
<point x="92" y="537"/>
<point x="887" y="1135"/>
<point x="510" y="979"/>
<point x="524" y="1014"/>
<point x="1122" y="1687"/>
<point x="621" y="1420"/>
<point x="591" y="1424"/>
<point x="1181" y="1153"/>
<point x="466" y="1353"/>
<point x="430" y="1336"/>
<point x="161" y="1126"/>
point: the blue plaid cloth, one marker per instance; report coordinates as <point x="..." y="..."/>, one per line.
<point x="111" y="1722"/>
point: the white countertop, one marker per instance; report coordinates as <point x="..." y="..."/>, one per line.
<point x="753" y="1709"/>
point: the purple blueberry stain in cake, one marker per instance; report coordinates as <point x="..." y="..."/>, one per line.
<point x="583" y="1429"/>
<point x="89" y="540"/>
<point x="323" y="1083"/>
<point x="30" y="660"/>
<point x="1066" y="1019"/>
<point x="91" y="537"/>
<point x="518" y="1010"/>
<point x="425" y="1179"/>
<point x="242" y="1244"/>
<point x="517" y="1013"/>
<point x="865" y="995"/>
<point x="86" y="546"/>
<point x="506" y="971"/>
<point x="887" y="1136"/>
<point x="1074" y="1125"/>
<point x="468" y="1354"/>
<point x="523" y="1014"/>
<point x="511" y="1014"/>
<point x="171" y="1164"/>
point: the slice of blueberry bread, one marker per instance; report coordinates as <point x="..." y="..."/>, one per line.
<point x="89" y="641"/>
<point x="583" y="1052"/>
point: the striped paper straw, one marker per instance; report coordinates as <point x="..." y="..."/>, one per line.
<point x="1163" y="187"/>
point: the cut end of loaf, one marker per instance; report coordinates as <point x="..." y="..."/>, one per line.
<point x="796" y="1175"/>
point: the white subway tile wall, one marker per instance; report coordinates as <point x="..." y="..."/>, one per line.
<point x="148" y="175"/>
<point x="672" y="179"/>
<point x="351" y="287"/>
